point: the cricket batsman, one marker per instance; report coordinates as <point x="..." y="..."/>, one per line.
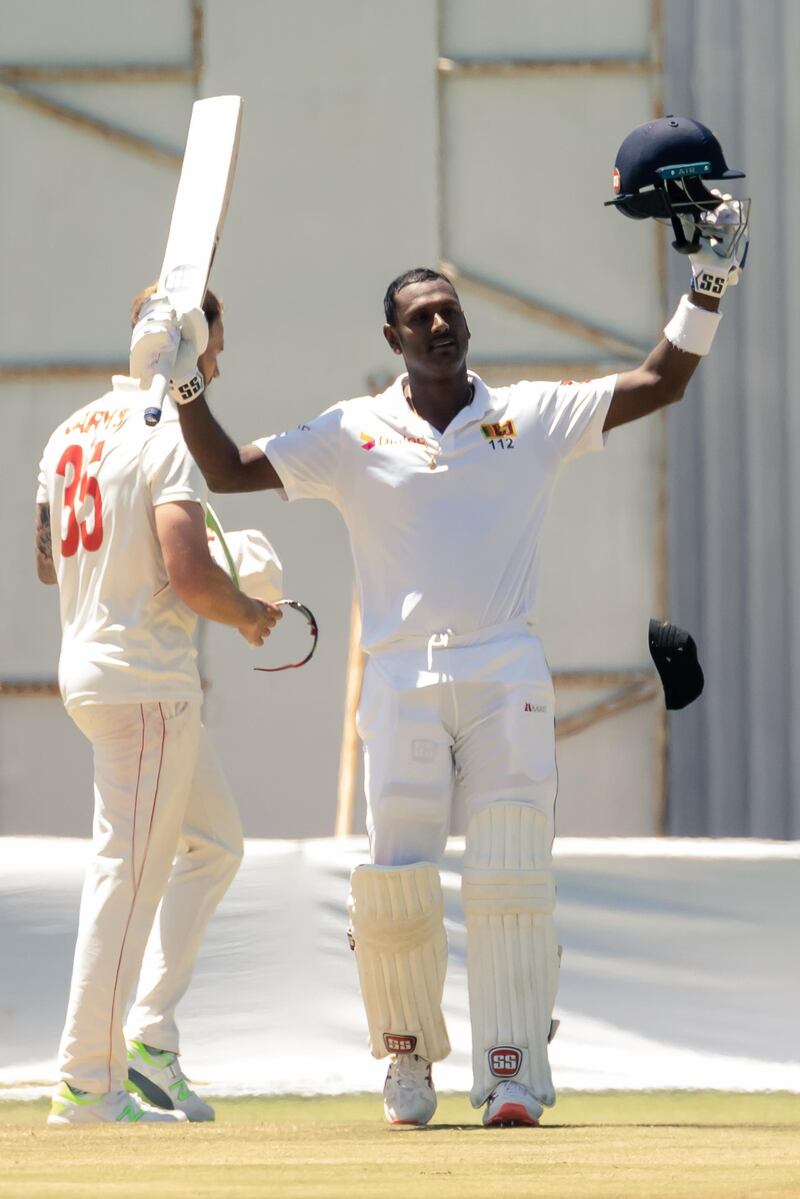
<point x="444" y="483"/>
<point x="120" y="527"/>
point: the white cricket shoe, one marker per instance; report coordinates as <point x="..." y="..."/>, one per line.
<point x="408" y="1094"/>
<point x="156" y="1076"/>
<point x="511" y="1103"/>
<point x="115" y="1107"/>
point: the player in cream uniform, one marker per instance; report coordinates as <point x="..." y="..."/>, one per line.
<point x="444" y="484"/>
<point x="130" y="555"/>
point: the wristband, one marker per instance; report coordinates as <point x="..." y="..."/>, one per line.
<point x="692" y="328"/>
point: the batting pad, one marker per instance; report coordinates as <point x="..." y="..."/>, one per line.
<point x="397" y="925"/>
<point x="512" y="955"/>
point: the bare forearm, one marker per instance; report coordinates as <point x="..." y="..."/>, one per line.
<point x="209" y="592"/>
<point x="661" y="380"/>
<point x="213" y="450"/>
<point x="670" y="368"/>
<point x="225" y="466"/>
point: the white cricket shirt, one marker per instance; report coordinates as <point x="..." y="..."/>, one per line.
<point x="126" y="636"/>
<point x="445" y="528"/>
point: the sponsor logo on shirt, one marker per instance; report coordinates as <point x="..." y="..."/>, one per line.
<point x="534" y="707"/>
<point x="501" y="429"/>
<point x="369" y="443"/>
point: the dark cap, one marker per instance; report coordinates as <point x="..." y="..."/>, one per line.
<point x="675" y="654"/>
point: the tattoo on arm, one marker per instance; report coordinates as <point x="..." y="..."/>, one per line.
<point x="45" y="567"/>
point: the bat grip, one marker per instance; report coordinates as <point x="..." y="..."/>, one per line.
<point x="158" y="389"/>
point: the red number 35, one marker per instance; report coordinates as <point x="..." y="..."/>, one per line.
<point x="77" y="486"/>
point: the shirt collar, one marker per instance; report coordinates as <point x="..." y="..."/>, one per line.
<point x="398" y="405"/>
<point x="130" y="388"/>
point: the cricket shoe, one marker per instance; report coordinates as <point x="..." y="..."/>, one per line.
<point x="70" y="1106"/>
<point x="408" y="1094"/>
<point x="511" y="1103"/>
<point x="156" y="1075"/>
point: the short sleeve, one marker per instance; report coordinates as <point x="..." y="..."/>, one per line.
<point x="170" y="470"/>
<point x="307" y="458"/>
<point x="42" y="494"/>
<point x="573" y="414"/>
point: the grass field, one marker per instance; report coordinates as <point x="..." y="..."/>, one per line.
<point x="693" y="1145"/>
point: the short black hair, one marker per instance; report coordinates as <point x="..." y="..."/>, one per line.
<point x="418" y="274"/>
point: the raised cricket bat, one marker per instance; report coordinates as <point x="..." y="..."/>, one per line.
<point x="204" y="189"/>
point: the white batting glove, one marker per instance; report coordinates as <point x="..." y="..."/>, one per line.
<point x="187" y="382"/>
<point x="154" y="341"/>
<point x="716" y="264"/>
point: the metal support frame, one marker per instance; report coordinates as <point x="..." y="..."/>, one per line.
<point x="15" y="87"/>
<point x="16" y="372"/>
<point x="535" y="310"/>
<point x="485" y="68"/>
<point x="630" y="688"/>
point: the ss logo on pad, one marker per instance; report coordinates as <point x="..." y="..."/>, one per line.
<point x="505" y="1061"/>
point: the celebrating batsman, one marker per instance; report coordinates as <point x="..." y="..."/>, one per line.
<point x="444" y="483"/>
<point x="131" y="559"/>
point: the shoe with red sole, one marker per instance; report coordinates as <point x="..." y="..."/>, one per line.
<point x="510" y="1104"/>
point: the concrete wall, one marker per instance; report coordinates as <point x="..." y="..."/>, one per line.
<point x="356" y="162"/>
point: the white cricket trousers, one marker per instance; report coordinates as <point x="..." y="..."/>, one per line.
<point x="474" y="743"/>
<point x="166" y="844"/>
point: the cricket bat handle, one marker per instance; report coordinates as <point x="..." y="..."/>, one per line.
<point x="158" y="389"/>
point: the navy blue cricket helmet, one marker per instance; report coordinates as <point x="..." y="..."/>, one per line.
<point x="662" y="166"/>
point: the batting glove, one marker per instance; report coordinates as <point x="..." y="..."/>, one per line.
<point x="187" y="382"/>
<point x="154" y="341"/>
<point x="723" y="240"/>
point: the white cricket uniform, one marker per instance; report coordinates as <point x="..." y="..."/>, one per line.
<point x="128" y="677"/>
<point x="457" y="700"/>
<point x="445" y="530"/>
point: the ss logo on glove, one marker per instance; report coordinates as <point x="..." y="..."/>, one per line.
<point x="713" y="285"/>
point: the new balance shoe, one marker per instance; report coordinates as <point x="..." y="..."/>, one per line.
<point x="408" y="1094"/>
<point x="70" y="1106"/>
<point x="156" y="1075"/>
<point x="511" y="1103"/>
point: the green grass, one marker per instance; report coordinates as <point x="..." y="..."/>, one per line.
<point x="681" y="1145"/>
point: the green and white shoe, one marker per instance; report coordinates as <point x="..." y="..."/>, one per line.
<point x="156" y="1075"/>
<point x="69" y="1106"/>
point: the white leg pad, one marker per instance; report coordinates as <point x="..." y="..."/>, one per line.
<point x="397" y="925"/>
<point x="512" y="955"/>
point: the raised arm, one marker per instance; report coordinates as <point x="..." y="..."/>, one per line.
<point x="714" y="240"/>
<point x="660" y="380"/>
<point x="226" y="466"/>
